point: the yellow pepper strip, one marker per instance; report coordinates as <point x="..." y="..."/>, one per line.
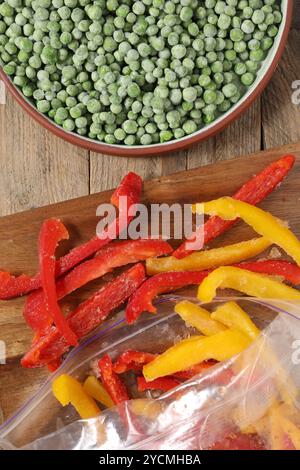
<point x="261" y="221"/>
<point x="192" y="351"/>
<point x="146" y="407"/>
<point x="95" y="389"/>
<point x="199" y="318"/>
<point x="252" y="284"/>
<point x="208" y="259"/>
<point x="67" y="390"/>
<point x="233" y="316"/>
<point x="275" y="429"/>
<point x="292" y="431"/>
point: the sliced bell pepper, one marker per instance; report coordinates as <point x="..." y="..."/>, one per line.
<point x="135" y="360"/>
<point x="210" y="258"/>
<point x="146" y="407"/>
<point x="239" y="441"/>
<point x="261" y="221"/>
<point x="52" y="232"/>
<point x="132" y="360"/>
<point x="253" y="192"/>
<point x="131" y="188"/>
<point x="112" y="256"/>
<point x="233" y="316"/>
<point x="164" y="384"/>
<point x="15" y="286"/>
<point x="54" y="365"/>
<point x="288" y="271"/>
<point x="255" y="285"/>
<point x="68" y="390"/>
<point x="277" y="426"/>
<point x="291" y="430"/>
<point x="195" y="350"/>
<point x="195" y="370"/>
<point x="87" y="316"/>
<point x="141" y="300"/>
<point x="199" y="318"/>
<point x="272" y="426"/>
<point x="94" y="388"/>
<point x="111" y="381"/>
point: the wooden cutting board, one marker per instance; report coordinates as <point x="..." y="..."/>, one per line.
<point x="19" y="234"/>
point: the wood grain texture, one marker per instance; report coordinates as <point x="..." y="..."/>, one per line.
<point x="241" y="138"/>
<point x="107" y="171"/>
<point x="280" y="116"/>
<point x="296" y="17"/>
<point x="37" y="167"/>
<point x="18" y="252"/>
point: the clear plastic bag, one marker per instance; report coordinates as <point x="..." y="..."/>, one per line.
<point x="251" y="399"/>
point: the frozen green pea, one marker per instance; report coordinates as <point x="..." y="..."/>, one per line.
<point x="120" y="134"/>
<point x="189" y="127"/>
<point x="240" y="68"/>
<point x="247" y="79"/>
<point x="266" y="43"/>
<point x="189" y="94"/>
<point x="69" y="125"/>
<point x="236" y="35"/>
<point x="43" y="106"/>
<point x="81" y="122"/>
<point x="129" y="126"/>
<point x="229" y="90"/>
<point x="130" y="140"/>
<point x="165" y="136"/>
<point x="258" y="17"/>
<point x="178" y="51"/>
<point x="209" y="96"/>
<point x="224" y="21"/>
<point x="257" y="55"/>
<point x="93" y="106"/>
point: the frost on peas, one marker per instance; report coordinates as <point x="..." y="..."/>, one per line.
<point x="136" y="72"/>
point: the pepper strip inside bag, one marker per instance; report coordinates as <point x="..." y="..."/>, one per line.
<point x="251" y="402"/>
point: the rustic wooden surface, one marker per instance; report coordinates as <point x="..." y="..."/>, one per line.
<point x="38" y="169"/>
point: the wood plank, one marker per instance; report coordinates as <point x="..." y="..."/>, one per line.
<point x="296" y="15"/>
<point x="19" y="233"/>
<point x="37" y="167"/>
<point x="106" y="171"/>
<point x="241" y="138"/>
<point x="280" y="116"/>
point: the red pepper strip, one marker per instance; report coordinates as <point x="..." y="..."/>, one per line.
<point x="86" y="317"/>
<point x="198" y="369"/>
<point x="12" y="286"/>
<point x="141" y="301"/>
<point x="135" y="360"/>
<point x="132" y="360"/>
<point x="111" y="381"/>
<point x="54" y="365"/>
<point x="15" y="286"/>
<point x="239" y="441"/>
<point x="253" y="192"/>
<point x="130" y="187"/>
<point x="112" y="256"/>
<point x="289" y="271"/>
<point x="51" y="233"/>
<point x="163" y="383"/>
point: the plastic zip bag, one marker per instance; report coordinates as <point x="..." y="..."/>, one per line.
<point x="249" y="401"/>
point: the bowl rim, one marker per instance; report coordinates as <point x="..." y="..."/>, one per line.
<point x="166" y="147"/>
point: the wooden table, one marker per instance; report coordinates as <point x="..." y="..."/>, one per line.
<point x="37" y="168"/>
